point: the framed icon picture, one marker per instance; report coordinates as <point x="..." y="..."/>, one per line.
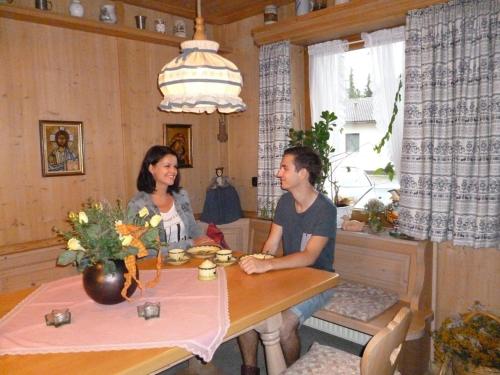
<point x="179" y="138"/>
<point x="61" y="145"/>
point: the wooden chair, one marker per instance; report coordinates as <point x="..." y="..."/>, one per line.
<point x="379" y="358"/>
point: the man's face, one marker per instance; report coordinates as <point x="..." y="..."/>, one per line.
<point x="288" y="175"/>
<point x="61" y="140"/>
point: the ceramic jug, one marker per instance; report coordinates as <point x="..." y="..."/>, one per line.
<point x="108" y="14"/>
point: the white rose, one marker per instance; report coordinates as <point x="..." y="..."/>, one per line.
<point x="127" y="240"/>
<point x="143" y="212"/>
<point x="82" y="217"/>
<point x="74" y="244"/>
<point x="155" y="220"/>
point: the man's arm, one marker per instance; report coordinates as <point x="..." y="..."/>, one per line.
<point x="273" y="240"/>
<point x="300" y="259"/>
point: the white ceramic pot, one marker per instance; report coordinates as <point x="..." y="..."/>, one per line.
<point x="302" y="7"/>
<point x="76" y="8"/>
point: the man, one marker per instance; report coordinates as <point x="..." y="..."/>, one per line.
<point x="306" y="222"/>
<point x="62" y="158"/>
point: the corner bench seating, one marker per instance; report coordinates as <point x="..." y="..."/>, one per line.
<point x="390" y="274"/>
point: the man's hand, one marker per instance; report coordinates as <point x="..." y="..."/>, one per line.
<point x="251" y="265"/>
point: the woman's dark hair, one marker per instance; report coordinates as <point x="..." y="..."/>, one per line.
<point x="145" y="180"/>
<point x="306" y="157"/>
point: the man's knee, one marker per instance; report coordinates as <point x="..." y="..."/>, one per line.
<point x="289" y="326"/>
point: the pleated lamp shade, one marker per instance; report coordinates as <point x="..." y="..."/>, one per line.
<point x="200" y="80"/>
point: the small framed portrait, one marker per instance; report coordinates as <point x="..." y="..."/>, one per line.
<point x="178" y="137"/>
<point x="61" y="145"/>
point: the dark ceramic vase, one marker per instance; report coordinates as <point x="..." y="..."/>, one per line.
<point x="106" y="288"/>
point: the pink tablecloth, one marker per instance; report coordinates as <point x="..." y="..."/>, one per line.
<point x="194" y="316"/>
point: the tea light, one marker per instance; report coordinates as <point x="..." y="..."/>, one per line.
<point x="207" y="270"/>
<point x="149" y="310"/>
<point x="58" y="317"/>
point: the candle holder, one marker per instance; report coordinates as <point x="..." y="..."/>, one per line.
<point x="149" y="310"/>
<point x="58" y="318"/>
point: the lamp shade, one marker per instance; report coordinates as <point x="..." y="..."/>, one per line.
<point x="200" y="80"/>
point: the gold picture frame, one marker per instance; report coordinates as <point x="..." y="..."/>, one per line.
<point x="179" y="138"/>
<point x="61" y="145"/>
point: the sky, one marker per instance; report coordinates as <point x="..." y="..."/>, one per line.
<point x="358" y="60"/>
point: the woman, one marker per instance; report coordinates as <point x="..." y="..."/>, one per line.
<point x="159" y="192"/>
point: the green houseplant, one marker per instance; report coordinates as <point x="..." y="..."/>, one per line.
<point x="104" y="241"/>
<point x="317" y="139"/>
<point x="470" y="342"/>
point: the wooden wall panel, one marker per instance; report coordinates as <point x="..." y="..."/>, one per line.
<point x="55" y="74"/>
<point x="109" y="84"/>
<point x="466" y="275"/>
<point x="243" y="127"/>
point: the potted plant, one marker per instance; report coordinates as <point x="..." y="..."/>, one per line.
<point x="470" y="342"/>
<point x="375" y="208"/>
<point x="317" y="138"/>
<point x="104" y="243"/>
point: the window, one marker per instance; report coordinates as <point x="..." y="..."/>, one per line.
<point x="359" y="104"/>
<point x="352" y="142"/>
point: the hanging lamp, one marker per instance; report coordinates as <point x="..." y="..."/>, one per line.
<point x="199" y="80"/>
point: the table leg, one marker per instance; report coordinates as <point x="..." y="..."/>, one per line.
<point x="269" y="331"/>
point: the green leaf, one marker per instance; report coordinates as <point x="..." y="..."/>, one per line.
<point x="66" y="257"/>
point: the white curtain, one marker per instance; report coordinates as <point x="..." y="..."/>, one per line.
<point x="387" y="65"/>
<point x="327" y="81"/>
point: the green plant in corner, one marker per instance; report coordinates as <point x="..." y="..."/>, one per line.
<point x="317" y="138"/>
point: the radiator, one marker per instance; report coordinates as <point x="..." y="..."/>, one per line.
<point x="338" y="331"/>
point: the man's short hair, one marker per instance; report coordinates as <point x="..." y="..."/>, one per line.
<point x="306" y="157"/>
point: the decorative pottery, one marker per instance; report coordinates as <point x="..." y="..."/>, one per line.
<point x="76" y="8"/>
<point x="106" y="288"/>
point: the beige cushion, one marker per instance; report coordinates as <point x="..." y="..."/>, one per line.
<point x="325" y="360"/>
<point x="360" y="301"/>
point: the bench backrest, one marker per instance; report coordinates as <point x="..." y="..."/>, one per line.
<point x="382" y="261"/>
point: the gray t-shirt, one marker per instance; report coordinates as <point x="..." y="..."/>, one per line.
<point x="320" y="219"/>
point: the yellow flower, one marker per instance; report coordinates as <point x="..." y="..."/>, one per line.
<point x="155" y="220"/>
<point x="73" y="216"/>
<point x="82" y="217"/>
<point x="98" y="205"/>
<point x="127" y="240"/>
<point x="143" y="212"/>
<point x="118" y="222"/>
<point x="74" y="244"/>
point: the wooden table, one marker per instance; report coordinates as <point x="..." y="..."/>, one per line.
<point x="253" y="299"/>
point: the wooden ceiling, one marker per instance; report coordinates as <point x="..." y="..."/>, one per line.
<point x="217" y="12"/>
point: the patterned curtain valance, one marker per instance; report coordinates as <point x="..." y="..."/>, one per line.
<point x="450" y="178"/>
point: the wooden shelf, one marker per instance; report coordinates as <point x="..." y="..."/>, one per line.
<point x="338" y="21"/>
<point x="68" y="22"/>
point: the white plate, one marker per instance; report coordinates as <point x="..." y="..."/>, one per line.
<point x="176" y="262"/>
<point x="258" y="256"/>
<point x="233" y="260"/>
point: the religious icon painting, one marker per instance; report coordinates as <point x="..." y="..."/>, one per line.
<point x="178" y="137"/>
<point x="61" y="145"/>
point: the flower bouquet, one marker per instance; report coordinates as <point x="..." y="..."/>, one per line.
<point x="470" y="341"/>
<point x="101" y="235"/>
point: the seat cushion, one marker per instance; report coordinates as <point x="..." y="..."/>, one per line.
<point x="325" y="360"/>
<point x="360" y="301"/>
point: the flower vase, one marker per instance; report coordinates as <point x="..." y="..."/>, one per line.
<point x="106" y="288"/>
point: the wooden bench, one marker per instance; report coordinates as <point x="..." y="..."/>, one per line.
<point x="400" y="266"/>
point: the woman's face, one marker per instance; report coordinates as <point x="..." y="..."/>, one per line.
<point x="165" y="171"/>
